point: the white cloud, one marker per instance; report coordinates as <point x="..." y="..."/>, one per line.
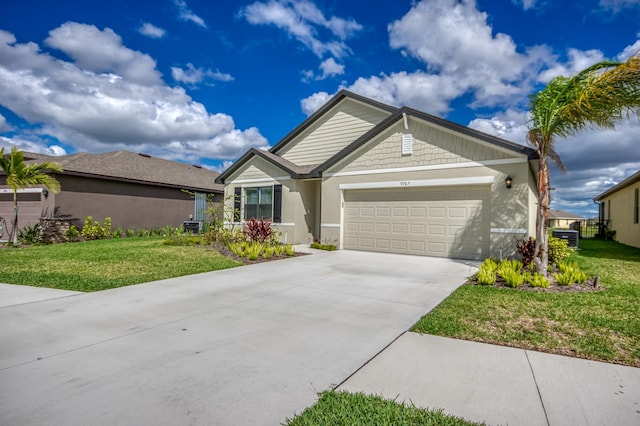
<point x="27" y="145"/>
<point x="577" y="61"/>
<point x="330" y="68"/>
<point x="630" y="50"/>
<point x="185" y="14"/>
<point x="151" y="30"/>
<point x="94" y="109"/>
<point x="618" y="5"/>
<point x="192" y="75"/>
<point x="103" y="52"/>
<point x="302" y="20"/>
<point x="312" y="103"/>
<point x="526" y="4"/>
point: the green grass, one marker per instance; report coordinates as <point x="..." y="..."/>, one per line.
<point x="602" y="325"/>
<point x="342" y="408"/>
<point x="103" y="264"/>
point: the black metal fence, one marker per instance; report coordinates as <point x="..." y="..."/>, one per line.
<point x="591" y="228"/>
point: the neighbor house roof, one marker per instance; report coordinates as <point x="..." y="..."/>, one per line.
<point x="560" y="214"/>
<point x="397" y="114"/>
<point x="137" y="168"/>
<point x="634" y="178"/>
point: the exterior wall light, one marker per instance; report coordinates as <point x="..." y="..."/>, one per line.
<point x="45" y="192"/>
<point x="508" y="182"/>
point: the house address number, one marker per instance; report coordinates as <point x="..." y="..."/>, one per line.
<point x="405" y="183"/>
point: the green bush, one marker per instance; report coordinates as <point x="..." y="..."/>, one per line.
<point x="319" y="246"/>
<point x="486" y="276"/>
<point x="512" y="278"/>
<point x="558" y="250"/>
<point x="30" y="235"/>
<point x="564" y="279"/>
<point x="72" y="233"/>
<point x="177" y="240"/>
<point x="537" y="280"/>
<point x="93" y="230"/>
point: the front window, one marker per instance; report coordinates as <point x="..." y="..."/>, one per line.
<point x="258" y="203"/>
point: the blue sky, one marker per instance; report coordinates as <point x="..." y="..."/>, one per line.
<point x="203" y="81"/>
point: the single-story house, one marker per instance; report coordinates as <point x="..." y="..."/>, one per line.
<point x="135" y="190"/>
<point x="620" y="210"/>
<point x="562" y="220"/>
<point x="364" y="175"/>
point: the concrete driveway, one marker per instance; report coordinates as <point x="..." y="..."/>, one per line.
<point x="249" y="345"/>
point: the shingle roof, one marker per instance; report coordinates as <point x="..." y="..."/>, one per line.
<point x="560" y="214"/>
<point x="132" y="167"/>
<point x="627" y="182"/>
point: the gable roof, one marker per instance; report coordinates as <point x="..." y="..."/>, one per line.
<point x="128" y="166"/>
<point x="627" y="182"/>
<point x="561" y="214"/>
<point x="396" y="115"/>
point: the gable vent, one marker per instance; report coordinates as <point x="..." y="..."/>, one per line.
<point x="407" y="144"/>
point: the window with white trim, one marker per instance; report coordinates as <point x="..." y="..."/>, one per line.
<point x="263" y="202"/>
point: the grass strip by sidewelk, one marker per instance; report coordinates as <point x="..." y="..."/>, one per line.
<point x="344" y="408"/>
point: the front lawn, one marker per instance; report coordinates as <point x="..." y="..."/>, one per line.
<point x="603" y="325"/>
<point x="103" y="264"/>
<point x="343" y="408"/>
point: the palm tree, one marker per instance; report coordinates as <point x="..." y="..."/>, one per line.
<point x="22" y="175"/>
<point x="599" y="96"/>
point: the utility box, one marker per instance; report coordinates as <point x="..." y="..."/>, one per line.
<point x="571" y="237"/>
<point x="192" y="226"/>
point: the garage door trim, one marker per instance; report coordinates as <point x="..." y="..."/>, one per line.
<point x="419" y="183"/>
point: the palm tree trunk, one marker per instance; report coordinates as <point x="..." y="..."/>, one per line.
<point x="541" y="255"/>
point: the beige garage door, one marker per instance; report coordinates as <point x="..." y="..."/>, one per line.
<point x="446" y="222"/>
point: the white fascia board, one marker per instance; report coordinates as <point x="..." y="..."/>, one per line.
<point x="264" y="181"/>
<point x="420" y="183"/>
<point x="330" y="225"/>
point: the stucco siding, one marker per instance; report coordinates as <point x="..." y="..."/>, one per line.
<point x="431" y="146"/>
<point x="347" y="122"/>
<point x="621" y="205"/>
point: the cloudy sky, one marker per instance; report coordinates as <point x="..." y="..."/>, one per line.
<point x="202" y="81"/>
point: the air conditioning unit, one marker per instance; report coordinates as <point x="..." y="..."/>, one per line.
<point x="572" y="237"/>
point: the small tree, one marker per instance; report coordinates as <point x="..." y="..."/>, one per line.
<point x="599" y="96"/>
<point x="22" y="175"/>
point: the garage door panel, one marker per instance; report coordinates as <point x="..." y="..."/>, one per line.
<point x="450" y="222"/>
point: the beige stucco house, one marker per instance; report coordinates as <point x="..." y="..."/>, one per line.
<point x="620" y="210"/>
<point x="561" y="219"/>
<point x="368" y="176"/>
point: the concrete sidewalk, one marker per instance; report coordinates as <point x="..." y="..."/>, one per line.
<point x="501" y="385"/>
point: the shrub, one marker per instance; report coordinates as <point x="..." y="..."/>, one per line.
<point x="93" y="230"/>
<point x="526" y="249"/>
<point x="258" y="230"/>
<point x="289" y="251"/>
<point x="254" y="250"/>
<point x="129" y="233"/>
<point x="537" y="280"/>
<point x="319" y="246"/>
<point x="30" y="235"/>
<point x="564" y="279"/>
<point x="558" y="250"/>
<point x="512" y="278"/>
<point x="72" y="233"/>
<point x="610" y="234"/>
<point x="117" y="233"/>
<point x="177" y="240"/>
<point x="486" y="276"/>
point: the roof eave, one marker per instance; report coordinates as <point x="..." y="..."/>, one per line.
<point x="625" y="183"/>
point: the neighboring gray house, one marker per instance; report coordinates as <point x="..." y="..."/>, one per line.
<point x="135" y="190"/>
<point x="368" y="176"/>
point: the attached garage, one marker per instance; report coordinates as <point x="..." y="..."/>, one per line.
<point x="431" y="221"/>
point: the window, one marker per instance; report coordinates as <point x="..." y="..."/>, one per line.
<point x="636" y="205"/>
<point x="263" y="203"/>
